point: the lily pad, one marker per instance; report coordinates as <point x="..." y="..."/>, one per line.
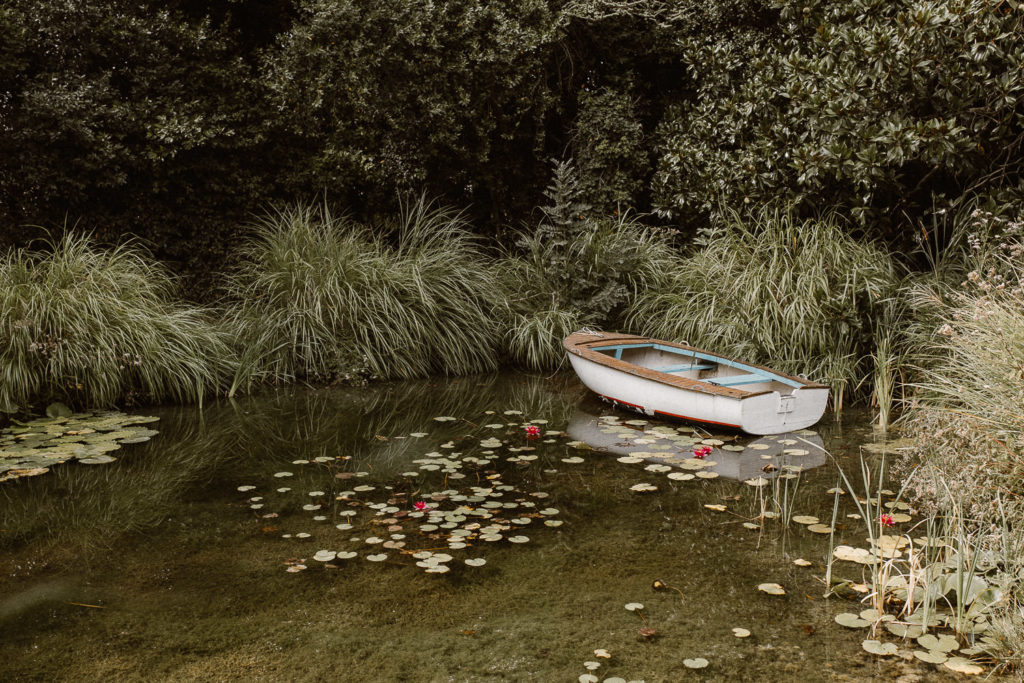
<point x="851" y="620"/>
<point x="634" y="606"/>
<point x="878" y="648"/>
<point x="771" y="589"/>
<point x="97" y="460"/>
<point x="940" y="643"/>
<point x="695" y="663"/>
<point x="475" y="561"/>
<point x="963" y="666"/>
<point x="931" y="656"/>
<point x="741" y="632"/>
<point x="380" y="557"/>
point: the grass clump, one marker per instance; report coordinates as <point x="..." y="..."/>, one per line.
<point x="801" y="296"/>
<point x="95" y="327"/>
<point x="573" y="269"/>
<point x="966" y="419"/>
<point x="318" y="296"/>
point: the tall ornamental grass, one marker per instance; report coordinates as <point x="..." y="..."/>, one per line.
<point x="319" y="296"/>
<point x="800" y="296"/>
<point x="561" y="279"/>
<point x="95" y="327"/>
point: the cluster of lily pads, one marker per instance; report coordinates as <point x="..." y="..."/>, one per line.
<point x="409" y="522"/>
<point x="682" y="453"/>
<point x="31" y="448"/>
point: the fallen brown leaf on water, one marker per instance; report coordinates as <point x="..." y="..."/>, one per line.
<point x="269" y="529"/>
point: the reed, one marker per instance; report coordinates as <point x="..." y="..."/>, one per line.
<point x="802" y="296"/>
<point x="96" y="327"/>
<point x="319" y="296"/>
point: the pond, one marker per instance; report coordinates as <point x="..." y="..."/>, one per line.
<point x="455" y="550"/>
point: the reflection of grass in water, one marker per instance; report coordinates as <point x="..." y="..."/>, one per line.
<point x="90" y="505"/>
<point x="347" y="421"/>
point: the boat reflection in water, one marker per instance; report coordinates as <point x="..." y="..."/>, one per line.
<point x="672" y="444"/>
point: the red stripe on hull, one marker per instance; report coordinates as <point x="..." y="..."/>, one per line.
<point x="660" y="412"/>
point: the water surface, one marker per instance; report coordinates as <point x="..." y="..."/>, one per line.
<point x="156" y="566"/>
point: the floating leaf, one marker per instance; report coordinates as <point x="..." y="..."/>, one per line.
<point x="963" y="666"/>
<point x="592" y="666"/>
<point x="588" y="678"/>
<point x="518" y="539"/>
<point x="931" y="656"/>
<point x="324" y="555"/>
<point x="634" y="606"/>
<point x="715" y="506"/>
<point x="941" y="643"/>
<point x="377" y="558"/>
<point x="604" y="654"/>
<point x="851" y="620"/>
<point x="741" y="632"/>
<point x="97" y="460"/>
<point x="680" y="476"/>
<point x="696" y="663"/>
<point x="282" y="474"/>
<point x="878" y="648"/>
<point x="805" y="519"/>
<point x="771" y="589"/>
<point x="904" y="630"/>
<point x="801" y="562"/>
<point x="820" y="528"/>
<point x="476" y="561"/>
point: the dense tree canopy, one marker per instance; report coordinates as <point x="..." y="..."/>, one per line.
<point x="174" y="121"/>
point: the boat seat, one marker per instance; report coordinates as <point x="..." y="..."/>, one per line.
<point x="736" y="380"/>
<point x="684" y="367"/>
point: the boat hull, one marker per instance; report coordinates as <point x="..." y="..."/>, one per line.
<point x="761" y="413"/>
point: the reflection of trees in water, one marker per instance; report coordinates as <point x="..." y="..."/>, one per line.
<point x="80" y="505"/>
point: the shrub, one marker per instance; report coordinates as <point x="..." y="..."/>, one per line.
<point x="319" y="296"/>
<point x="575" y="269"/>
<point x="802" y="297"/>
<point x="95" y="327"/>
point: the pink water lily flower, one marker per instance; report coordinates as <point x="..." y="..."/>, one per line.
<point x="887" y="520"/>
<point x="532" y="432"/>
<point x="420" y="505"/>
<point x="702" y="452"/>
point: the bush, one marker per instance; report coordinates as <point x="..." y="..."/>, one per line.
<point x="802" y="297"/>
<point x="574" y="269"/>
<point x="877" y="107"/>
<point x="96" y="327"/>
<point x="319" y="296"/>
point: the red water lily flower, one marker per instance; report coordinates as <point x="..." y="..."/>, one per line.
<point x="532" y="432"/>
<point x="702" y="452"/>
<point x="887" y="520"/>
<point x="420" y="505"/>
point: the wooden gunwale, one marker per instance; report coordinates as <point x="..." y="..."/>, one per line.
<point x="584" y="345"/>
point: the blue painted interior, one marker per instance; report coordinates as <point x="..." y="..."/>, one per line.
<point x="761" y="375"/>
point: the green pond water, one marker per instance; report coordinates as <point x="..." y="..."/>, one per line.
<point x="157" y="567"/>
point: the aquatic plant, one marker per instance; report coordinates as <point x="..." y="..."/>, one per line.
<point x="318" y="296"/>
<point x="94" y="327"/>
<point x="802" y="296"/>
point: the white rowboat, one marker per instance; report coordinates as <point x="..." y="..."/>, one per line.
<point x="666" y="379"/>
